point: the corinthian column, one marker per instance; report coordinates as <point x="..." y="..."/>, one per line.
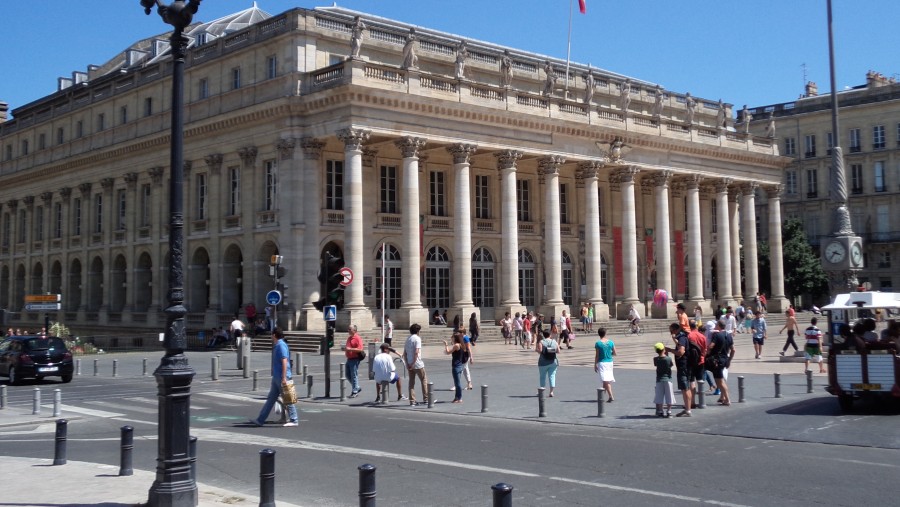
<point x="625" y="178"/>
<point x="663" y="243"/>
<point x="723" y="242"/>
<point x="776" y="301"/>
<point x="462" y="225"/>
<point x="748" y="214"/>
<point x="553" y="301"/>
<point x="734" y="219"/>
<point x="509" y="246"/>
<point x="593" y="263"/>
<point x="310" y="318"/>
<point x="695" y="247"/>
<point x="411" y="310"/>
<point x="354" y="256"/>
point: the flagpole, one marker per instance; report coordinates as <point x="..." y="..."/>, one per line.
<point x="569" y="48"/>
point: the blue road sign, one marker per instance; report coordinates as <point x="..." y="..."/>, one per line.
<point x="273" y="297"/>
<point x="330" y="313"/>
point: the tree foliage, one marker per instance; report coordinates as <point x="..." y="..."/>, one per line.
<point x="803" y="272"/>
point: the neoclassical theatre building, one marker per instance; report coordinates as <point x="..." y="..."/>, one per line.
<point x="447" y="173"/>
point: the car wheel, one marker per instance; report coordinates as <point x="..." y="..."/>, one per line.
<point x="66" y="379"/>
<point x="39" y="378"/>
<point x="13" y="379"/>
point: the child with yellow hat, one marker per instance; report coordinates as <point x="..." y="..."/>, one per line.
<point x="664" y="392"/>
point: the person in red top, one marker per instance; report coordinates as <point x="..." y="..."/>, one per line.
<point x="250" y="311"/>
<point x="698" y="339"/>
<point x="526" y="331"/>
<point x="790" y="311"/>
<point x="353" y="350"/>
<point x="683" y="320"/>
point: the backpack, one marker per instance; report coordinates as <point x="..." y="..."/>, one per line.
<point x="546" y="353"/>
<point x="693" y="353"/>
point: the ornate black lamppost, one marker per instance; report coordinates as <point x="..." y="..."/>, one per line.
<point x="174" y="485"/>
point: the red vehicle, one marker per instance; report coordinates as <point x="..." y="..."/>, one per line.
<point x="863" y="366"/>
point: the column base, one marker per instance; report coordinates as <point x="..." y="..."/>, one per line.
<point x="624" y="307"/>
<point x="360" y="316"/>
<point x="464" y="313"/>
<point x="310" y="319"/>
<point x="726" y="302"/>
<point x="704" y="304"/>
<point x="777" y="305"/>
<point x="601" y="311"/>
<point x="666" y="311"/>
<point x="405" y="317"/>
<point x="512" y="309"/>
<point x="555" y="310"/>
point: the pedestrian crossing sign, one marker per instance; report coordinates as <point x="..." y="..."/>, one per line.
<point x="330" y="313"/>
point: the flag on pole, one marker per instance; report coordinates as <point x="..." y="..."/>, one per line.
<point x="582" y="6"/>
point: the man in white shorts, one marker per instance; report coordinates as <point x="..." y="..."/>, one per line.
<point x="385" y="371"/>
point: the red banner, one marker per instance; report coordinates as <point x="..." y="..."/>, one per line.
<point x="619" y="261"/>
<point x="582" y="6"/>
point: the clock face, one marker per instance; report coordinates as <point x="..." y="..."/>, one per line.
<point x="856" y="255"/>
<point x="835" y="252"/>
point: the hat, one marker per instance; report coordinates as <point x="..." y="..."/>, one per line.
<point x="659" y="347"/>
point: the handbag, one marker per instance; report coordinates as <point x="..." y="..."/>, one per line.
<point x="362" y="355"/>
<point x="288" y="393"/>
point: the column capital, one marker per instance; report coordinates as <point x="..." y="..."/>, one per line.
<point x="85" y="188"/>
<point x="507" y="159"/>
<point x="659" y="178"/>
<point x="625" y="174"/>
<point x="368" y="156"/>
<point x="774" y="191"/>
<point x="462" y="152"/>
<point x="691" y="181"/>
<point x="248" y="155"/>
<point x="156" y="174"/>
<point x="12" y="204"/>
<point x="47" y="197"/>
<point x="131" y="180"/>
<point x="65" y="193"/>
<point x="748" y="187"/>
<point x="723" y="184"/>
<point x="590" y="169"/>
<point x="186" y="167"/>
<point x="107" y="183"/>
<point x="410" y="146"/>
<point x="550" y="165"/>
<point x="28" y="201"/>
<point x="312" y="148"/>
<point x="214" y="162"/>
<point x="353" y="138"/>
<point x="285" y="147"/>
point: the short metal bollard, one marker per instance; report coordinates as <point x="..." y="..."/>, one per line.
<point x="218" y="365"/>
<point x="701" y="395"/>
<point x="343" y="383"/>
<point x="57" y="403"/>
<point x="3" y="398"/>
<point x="809" y="381"/>
<point x="484" y="399"/>
<point x="126" y="451"/>
<point x="384" y="392"/>
<point x="740" y="389"/>
<point x="502" y="494"/>
<point x="115" y="367"/>
<point x="78" y="367"/>
<point x="305" y="373"/>
<point x="144" y="367"/>
<point x="192" y="455"/>
<point x="36" y="402"/>
<point x="542" y="410"/>
<point x="367" y="485"/>
<point x="298" y="361"/>
<point x="96" y="367"/>
<point x="246" y="367"/>
<point x="214" y="368"/>
<point x="600" y="402"/>
<point x="59" y="450"/>
<point x="255" y="380"/>
<point x="267" y="478"/>
<point x="430" y="391"/>
<point x="777" y="385"/>
<point x="309" y="386"/>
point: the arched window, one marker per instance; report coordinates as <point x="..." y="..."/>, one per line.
<point x="390" y="279"/>
<point x="567" y="284"/>
<point x="526" y="278"/>
<point x="483" y="278"/>
<point x="437" y="278"/>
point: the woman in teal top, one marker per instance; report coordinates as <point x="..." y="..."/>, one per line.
<point x="604" y="350"/>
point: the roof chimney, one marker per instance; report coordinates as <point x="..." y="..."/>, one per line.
<point x="4" y="110"/>
<point x="812" y="89"/>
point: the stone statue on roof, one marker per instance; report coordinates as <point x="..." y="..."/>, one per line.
<point x="625" y="96"/>
<point x="770" y="127"/>
<point x="461" y="55"/>
<point x="410" y="60"/>
<point x="550" y="80"/>
<point x="505" y="69"/>
<point x="690" y="105"/>
<point x="356" y="36"/>
<point x="660" y="102"/>
<point x="588" y="87"/>
<point x="745" y="118"/>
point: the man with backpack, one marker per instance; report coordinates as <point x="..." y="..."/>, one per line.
<point x="682" y="351"/>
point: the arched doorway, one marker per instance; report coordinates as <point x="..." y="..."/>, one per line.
<point x="604" y="282"/>
<point x="56" y="278"/>
<point x="483" y="282"/>
<point x="568" y="288"/>
<point x="95" y="285"/>
<point x="197" y="300"/>
<point x="143" y="281"/>
<point x="72" y="298"/>
<point x="232" y="282"/>
<point x="37" y="279"/>
<point x="119" y="281"/>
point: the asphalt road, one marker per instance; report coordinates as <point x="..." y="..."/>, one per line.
<point x="795" y="450"/>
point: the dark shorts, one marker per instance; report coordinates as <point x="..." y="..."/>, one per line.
<point x="717" y="372"/>
<point x="683" y="382"/>
<point x="697" y="373"/>
<point x="758" y="341"/>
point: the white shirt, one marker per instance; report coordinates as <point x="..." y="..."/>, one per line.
<point x="383" y="367"/>
<point x="730" y="323"/>
<point x="562" y="323"/>
<point x="413" y="343"/>
<point x="237" y="325"/>
<point x="518" y="323"/>
<point x="389" y="332"/>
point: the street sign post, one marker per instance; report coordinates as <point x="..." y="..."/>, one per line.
<point x="43" y="298"/>
<point x="42" y="307"/>
<point x="330" y="313"/>
<point x="347" y="276"/>
<point x="273" y="297"/>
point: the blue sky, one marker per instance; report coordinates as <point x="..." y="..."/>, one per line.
<point x="744" y="52"/>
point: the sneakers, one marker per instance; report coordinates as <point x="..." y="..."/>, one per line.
<point x="413" y="404"/>
<point x="781" y="353"/>
<point x="668" y="413"/>
<point x="402" y="398"/>
<point x="660" y="413"/>
<point x="255" y="423"/>
<point x="290" y="424"/>
<point x="717" y="392"/>
<point x="683" y="413"/>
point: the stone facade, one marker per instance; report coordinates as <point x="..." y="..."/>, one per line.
<point x="484" y="188"/>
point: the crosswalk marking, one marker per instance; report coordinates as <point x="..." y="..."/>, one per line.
<point x="155" y="402"/>
<point x="90" y="412"/>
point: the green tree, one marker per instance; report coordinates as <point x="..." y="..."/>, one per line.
<point x="803" y="273"/>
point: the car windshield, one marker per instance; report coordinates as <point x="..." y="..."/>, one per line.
<point x="40" y="343"/>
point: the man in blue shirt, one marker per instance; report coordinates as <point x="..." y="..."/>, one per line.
<point x="281" y="374"/>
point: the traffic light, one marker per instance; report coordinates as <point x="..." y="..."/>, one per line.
<point x="330" y="277"/>
<point x="329" y="335"/>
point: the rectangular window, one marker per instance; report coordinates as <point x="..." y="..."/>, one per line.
<point x="146" y="205"/>
<point x="812" y="183"/>
<point x="882" y="222"/>
<point x="563" y="204"/>
<point x="60" y="135"/>
<point x="148" y="106"/>
<point x="57" y="220"/>
<point x="334" y="184"/>
<point x="271" y="67"/>
<point x="829" y="140"/>
<point x="858" y="217"/>
<point x="39" y="223"/>
<point x="235" y="78"/>
<point x="884" y="259"/>
<point x="878" y="142"/>
<point x="23" y="226"/>
<point x="438" y="193"/>
<point x="482" y="197"/>
<point x="98" y="213"/>
<point x="600" y="201"/>
<point x="76" y="216"/>
<point x="790" y="182"/>
<point x="121" y="209"/>
<point x="271" y="185"/>
<point x="42" y="141"/>
<point x="7" y="227"/>
<point x="8" y="154"/>
<point x="203" y="89"/>
<point x="523" y="199"/>
<point x="24" y="147"/>
<point x="387" y="184"/>
<point x="123" y="115"/>
<point x="713" y="207"/>
<point x="856" y="178"/>
<point x="201" y="191"/>
<point x="234" y="191"/>
<point x="79" y="129"/>
<point x="101" y="122"/>
<point x="880" y="184"/>
<point x="810" y="146"/>
<point x="855" y="141"/>
<point x="790" y="146"/>
<point x="811" y="224"/>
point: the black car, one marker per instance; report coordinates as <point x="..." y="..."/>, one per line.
<point x="36" y="357"/>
